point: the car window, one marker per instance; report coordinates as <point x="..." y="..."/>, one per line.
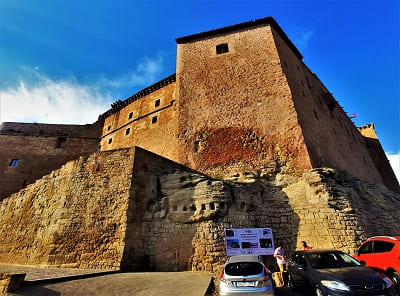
<point x="331" y="260"/>
<point x="243" y="268"/>
<point x="380" y="246"/>
<point x="302" y="260"/>
<point x="295" y="258"/>
<point x="366" y="248"/>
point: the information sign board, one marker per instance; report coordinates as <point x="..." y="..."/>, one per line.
<point x="249" y="241"/>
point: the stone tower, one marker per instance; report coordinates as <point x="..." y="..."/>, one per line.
<point x="248" y="102"/>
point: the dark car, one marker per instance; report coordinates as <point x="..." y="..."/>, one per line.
<point x="333" y="272"/>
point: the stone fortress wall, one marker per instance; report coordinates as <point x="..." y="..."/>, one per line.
<point x="228" y="103"/>
<point x="147" y="119"/>
<point x="259" y="99"/>
<point x="246" y="137"/>
<point x="73" y="217"/>
<point x="29" y="151"/>
<point x="130" y="209"/>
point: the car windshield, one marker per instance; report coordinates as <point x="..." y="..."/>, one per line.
<point x="331" y="260"/>
<point x="243" y="268"/>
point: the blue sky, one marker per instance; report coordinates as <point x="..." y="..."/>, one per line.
<point x="67" y="61"/>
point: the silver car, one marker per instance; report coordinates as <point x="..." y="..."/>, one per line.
<point x="245" y="275"/>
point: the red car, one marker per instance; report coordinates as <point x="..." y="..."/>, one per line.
<point x="381" y="253"/>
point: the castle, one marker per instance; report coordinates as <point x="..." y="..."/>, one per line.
<point x="243" y="135"/>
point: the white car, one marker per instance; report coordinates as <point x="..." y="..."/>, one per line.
<point x="246" y="275"/>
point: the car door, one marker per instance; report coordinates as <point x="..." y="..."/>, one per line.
<point x="380" y="255"/>
<point x="297" y="268"/>
<point x="364" y="252"/>
<point x="374" y="254"/>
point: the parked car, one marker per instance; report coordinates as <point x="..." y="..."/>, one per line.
<point x="246" y="275"/>
<point x="381" y="253"/>
<point x="333" y="272"/>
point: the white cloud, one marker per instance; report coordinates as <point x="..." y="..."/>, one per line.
<point x="66" y="101"/>
<point x="394" y="160"/>
<point x="50" y="101"/>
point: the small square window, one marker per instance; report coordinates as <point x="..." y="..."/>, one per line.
<point x="157" y="103"/>
<point x="14" y="162"/>
<point x="154" y="120"/>
<point x="130" y="115"/>
<point x="128" y="131"/>
<point x="109" y="127"/>
<point x="110" y="141"/>
<point x="222" y="48"/>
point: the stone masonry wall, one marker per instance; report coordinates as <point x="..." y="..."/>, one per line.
<point x="134" y="210"/>
<point x="37" y="156"/>
<point x="332" y="139"/>
<point x="180" y="223"/>
<point x="235" y="109"/>
<point x="149" y="122"/>
<point x="74" y="217"/>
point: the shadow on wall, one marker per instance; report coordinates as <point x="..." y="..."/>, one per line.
<point x="176" y="217"/>
<point x="166" y="201"/>
<point x="363" y="202"/>
<point x="255" y="204"/>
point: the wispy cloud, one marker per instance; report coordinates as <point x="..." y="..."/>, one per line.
<point x="38" y="98"/>
<point x="302" y="38"/>
<point x="394" y="159"/>
<point x="145" y="73"/>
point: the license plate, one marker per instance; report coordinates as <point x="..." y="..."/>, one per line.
<point x="245" y="284"/>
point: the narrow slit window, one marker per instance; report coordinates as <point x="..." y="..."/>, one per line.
<point x="157" y="103"/>
<point x="61" y="141"/>
<point x="130" y="115"/>
<point x="154" y="120"/>
<point x="128" y="131"/>
<point x="110" y="141"/>
<point x="14" y="162"/>
<point x="222" y="48"/>
<point x="108" y="127"/>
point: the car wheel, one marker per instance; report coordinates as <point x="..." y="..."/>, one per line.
<point x="292" y="284"/>
<point x="318" y="291"/>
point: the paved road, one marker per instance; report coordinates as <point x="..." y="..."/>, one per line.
<point x="42" y="282"/>
<point x="124" y="284"/>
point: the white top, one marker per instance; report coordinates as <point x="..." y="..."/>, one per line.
<point x="279" y="251"/>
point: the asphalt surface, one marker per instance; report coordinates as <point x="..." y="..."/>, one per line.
<point x="75" y="282"/>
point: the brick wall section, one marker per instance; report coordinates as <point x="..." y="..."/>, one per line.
<point x="332" y="139"/>
<point x="235" y="109"/>
<point x="36" y="146"/>
<point x="74" y="217"/>
<point x="139" y="116"/>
